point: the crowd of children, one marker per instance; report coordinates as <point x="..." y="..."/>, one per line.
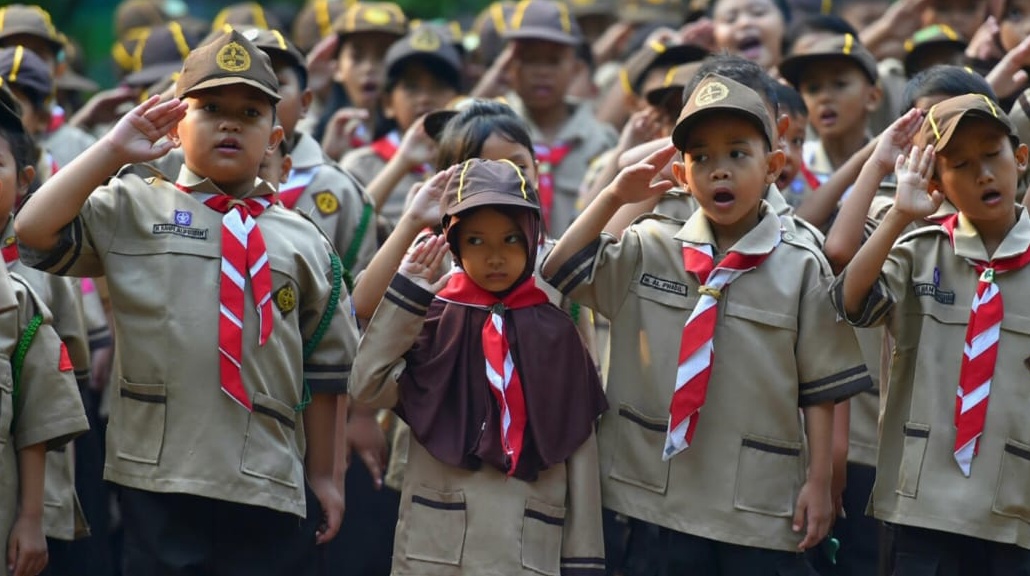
<point x="634" y="288"/>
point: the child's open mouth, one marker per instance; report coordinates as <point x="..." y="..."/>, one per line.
<point x="723" y="198"/>
<point x="229" y="145"/>
<point x="750" y="47"/>
<point x="991" y="197"/>
<point x="828" y="118"/>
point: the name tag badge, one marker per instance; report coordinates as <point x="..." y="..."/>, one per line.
<point x="664" y="285"/>
<point x="930" y="290"/>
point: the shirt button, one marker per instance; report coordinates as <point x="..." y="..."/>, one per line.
<point x="788" y="236"/>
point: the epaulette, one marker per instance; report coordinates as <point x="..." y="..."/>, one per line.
<point x="33" y="303"/>
<point x="328" y="162"/>
<point x="145" y="171"/>
<point x="922" y="231"/>
<point x="657" y="219"/>
<point x="817" y="235"/>
<point x="799" y="241"/>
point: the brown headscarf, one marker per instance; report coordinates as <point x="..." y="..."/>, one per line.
<point x="445" y="396"/>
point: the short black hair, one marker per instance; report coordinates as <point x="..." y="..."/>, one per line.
<point x="284" y="62"/>
<point x="790" y="101"/>
<point x="436" y="68"/>
<point x="818" y="23"/>
<point x="945" y="80"/>
<point x="24" y="150"/>
<point x="463" y="136"/>
<point x="739" y="70"/>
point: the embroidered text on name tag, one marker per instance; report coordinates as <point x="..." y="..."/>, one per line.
<point x="941" y="296"/>
<point x="184" y="231"/>
<point x="663" y="285"/>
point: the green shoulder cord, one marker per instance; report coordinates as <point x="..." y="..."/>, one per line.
<point x="352" y="251"/>
<point x="323" y="324"/>
<point x="574" y="312"/>
<point x="27" y="337"/>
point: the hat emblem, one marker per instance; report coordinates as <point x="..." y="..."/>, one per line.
<point x="425" y="40"/>
<point x="233" y="58"/>
<point x="377" y="16"/>
<point x="711" y="93"/>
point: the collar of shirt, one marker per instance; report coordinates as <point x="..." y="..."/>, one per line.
<point x="777" y="203"/>
<point x="577" y="127"/>
<point x="759" y="240"/>
<point x="969" y="245"/>
<point x="306" y="153"/>
<point x="195" y="183"/>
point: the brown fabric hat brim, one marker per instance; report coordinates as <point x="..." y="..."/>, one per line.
<point x="950" y="129"/>
<point x="435" y="123"/>
<point x="667" y="98"/>
<point x="683" y="128"/>
<point x="490" y="198"/>
<point x="541" y="33"/>
<point x="72" y="81"/>
<point x="151" y="74"/>
<point x="792" y="67"/>
<point x="57" y="45"/>
<point x="229" y="81"/>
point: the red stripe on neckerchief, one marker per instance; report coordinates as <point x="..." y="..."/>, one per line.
<point x="548" y="159"/>
<point x="243" y="255"/>
<point x="57" y="118"/>
<point x="505" y="383"/>
<point x="295" y="185"/>
<point x="10" y="253"/>
<point x="980" y="354"/>
<point x="387" y="147"/>
<point x="813" y="181"/>
<point x="697" y="343"/>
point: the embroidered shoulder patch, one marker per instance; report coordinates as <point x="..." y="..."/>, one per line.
<point x="286" y="299"/>
<point x="664" y="285"/>
<point x="326" y="203"/>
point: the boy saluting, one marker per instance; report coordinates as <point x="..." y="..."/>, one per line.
<point x="213" y="436"/>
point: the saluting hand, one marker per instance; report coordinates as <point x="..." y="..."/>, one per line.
<point x="425" y="204"/>
<point x="896" y="140"/>
<point x="137" y="137"/>
<point x="914" y="198"/>
<point x="637" y="183"/>
<point x="422" y="264"/>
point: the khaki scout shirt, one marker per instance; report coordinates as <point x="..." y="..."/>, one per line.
<point x="588" y="138"/>
<point x="365" y="164"/>
<point x="924" y="296"/>
<point x="49" y="409"/>
<point x="335" y="201"/>
<point x="455" y="521"/>
<point x="172" y="429"/>
<point x="778" y="346"/>
<point x="63" y="517"/>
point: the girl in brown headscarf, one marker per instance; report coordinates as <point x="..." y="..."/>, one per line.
<point x="499" y="392"/>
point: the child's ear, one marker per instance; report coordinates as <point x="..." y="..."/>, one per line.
<point x="173" y="135"/>
<point x="1022" y="154"/>
<point x="774" y="164"/>
<point x="873" y="98"/>
<point x="274" y="139"/>
<point x="284" y="171"/>
<point x="679" y="172"/>
<point x="25" y="178"/>
<point x="305" y="101"/>
<point x="782" y="124"/>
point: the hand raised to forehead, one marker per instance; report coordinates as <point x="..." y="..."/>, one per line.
<point x="914" y="171"/>
<point x="637" y="183"/>
<point x="137" y="137"/>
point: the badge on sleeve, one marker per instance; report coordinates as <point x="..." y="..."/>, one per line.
<point x="286" y="299"/>
<point x="326" y="203"/>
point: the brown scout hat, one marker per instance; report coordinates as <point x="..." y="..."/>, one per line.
<point x="655" y="54"/>
<point x="929" y="38"/>
<point x="160" y="52"/>
<point x="71" y="78"/>
<point x="23" y="68"/>
<point x="315" y="21"/>
<point x="544" y="20"/>
<point x="592" y="7"/>
<point x="273" y="43"/>
<point x="30" y="20"/>
<point x="246" y="14"/>
<point x="424" y="42"/>
<point x="720" y="94"/>
<point x="833" y="47"/>
<point x="652" y="12"/>
<point x="943" y="118"/>
<point x="481" y="182"/>
<point x="132" y="14"/>
<point x="490" y="27"/>
<point x="385" y="17"/>
<point x="228" y="59"/>
<point x="669" y="96"/>
<point x="10" y="111"/>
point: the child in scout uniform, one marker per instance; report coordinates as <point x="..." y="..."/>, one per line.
<point x="837" y="78"/>
<point x="244" y="428"/>
<point x="63" y="516"/>
<point x="952" y="459"/>
<point x="500" y="394"/>
<point x="752" y="30"/>
<point x="796" y="181"/>
<point x="423" y="74"/>
<point x="566" y="134"/>
<point x="714" y="486"/>
<point x="351" y="116"/>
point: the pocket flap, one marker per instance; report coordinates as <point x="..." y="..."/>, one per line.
<point x="150" y="393"/>
<point x="268" y="406"/>
<point x="767" y="317"/>
<point x="553" y="515"/>
<point x="438" y="500"/>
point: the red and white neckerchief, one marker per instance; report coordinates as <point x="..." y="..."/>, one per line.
<point x="505" y="383"/>
<point x="548" y="159"/>
<point x="295" y="185"/>
<point x="57" y="119"/>
<point x="809" y="177"/>
<point x="243" y="255"/>
<point x="387" y="147"/>
<point x="980" y="353"/>
<point x="697" y="345"/>
<point x="10" y="251"/>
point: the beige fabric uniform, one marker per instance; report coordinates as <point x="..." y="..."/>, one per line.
<point x="588" y="138"/>
<point x="63" y="517"/>
<point x="923" y="296"/>
<point x="335" y="201"/>
<point x="172" y="429"/>
<point x="778" y="345"/>
<point x="365" y="164"/>
<point x="49" y="409"/>
<point x="66" y="143"/>
<point x="483" y="522"/>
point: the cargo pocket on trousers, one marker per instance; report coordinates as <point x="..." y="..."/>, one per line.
<point x="542" y="529"/>
<point x="638" y="456"/>
<point x="769" y="476"/>
<point x="916" y="437"/>
<point x="1012" y="497"/>
<point x="436" y="526"/>
<point x="268" y="449"/>
<point x="141" y="421"/>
